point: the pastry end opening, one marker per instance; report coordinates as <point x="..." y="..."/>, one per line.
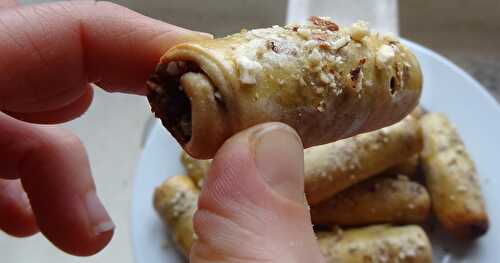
<point x="168" y="100"/>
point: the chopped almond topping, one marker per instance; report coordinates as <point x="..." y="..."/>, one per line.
<point x="355" y="72"/>
<point x="272" y="46"/>
<point x="322" y="37"/>
<point x="324" y="23"/>
<point x="324" y="45"/>
<point x="359" y="30"/>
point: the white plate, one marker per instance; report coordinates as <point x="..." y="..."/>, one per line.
<point x="447" y="89"/>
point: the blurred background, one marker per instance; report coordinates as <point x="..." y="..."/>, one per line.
<point x="464" y="31"/>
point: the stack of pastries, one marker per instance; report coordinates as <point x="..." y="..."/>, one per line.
<point x="376" y="169"/>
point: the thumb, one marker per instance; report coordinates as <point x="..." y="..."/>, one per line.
<point x="252" y="206"/>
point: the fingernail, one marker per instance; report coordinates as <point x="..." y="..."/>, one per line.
<point x="97" y="215"/>
<point x="15" y="193"/>
<point x="25" y="201"/>
<point x="204" y="35"/>
<point x="195" y="35"/>
<point x="280" y="160"/>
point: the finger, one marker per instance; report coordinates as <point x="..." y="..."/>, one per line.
<point x="69" y="112"/>
<point x="55" y="173"/>
<point x="7" y="3"/>
<point x="16" y="218"/>
<point x="56" y="176"/>
<point x="255" y="192"/>
<point x="49" y="52"/>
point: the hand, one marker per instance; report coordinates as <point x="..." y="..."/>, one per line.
<point x="252" y="206"/>
<point x="49" y="55"/>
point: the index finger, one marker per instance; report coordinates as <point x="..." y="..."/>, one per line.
<point x="7" y="3"/>
<point x="49" y="52"/>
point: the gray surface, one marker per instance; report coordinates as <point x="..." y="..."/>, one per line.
<point x="466" y="32"/>
<point x="219" y="17"/>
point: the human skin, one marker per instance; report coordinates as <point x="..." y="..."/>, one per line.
<point x="51" y="55"/>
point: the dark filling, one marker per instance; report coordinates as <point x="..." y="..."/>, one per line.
<point x="476" y="229"/>
<point x="169" y="103"/>
<point x="393" y="85"/>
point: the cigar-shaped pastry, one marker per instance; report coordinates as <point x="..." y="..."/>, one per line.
<point x="175" y="201"/>
<point x="418" y="112"/>
<point x="376" y="201"/>
<point x="408" y="167"/>
<point x="327" y="82"/>
<point x="333" y="167"/>
<point x="196" y="169"/>
<point x="452" y="179"/>
<point x="377" y="244"/>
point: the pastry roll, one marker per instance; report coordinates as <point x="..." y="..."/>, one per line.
<point x="418" y="112"/>
<point x="196" y="169"/>
<point x="452" y="179"/>
<point x="175" y="202"/>
<point x="326" y="82"/>
<point x="378" y="200"/>
<point x="408" y="167"/>
<point x="333" y="167"/>
<point x="376" y="244"/>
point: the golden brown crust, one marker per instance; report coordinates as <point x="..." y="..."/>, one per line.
<point x="379" y="200"/>
<point x="408" y="167"/>
<point x="195" y="169"/>
<point x="418" y="112"/>
<point x="175" y="201"/>
<point x="376" y="244"/>
<point x="452" y="179"/>
<point x="334" y="167"/>
<point x="327" y="84"/>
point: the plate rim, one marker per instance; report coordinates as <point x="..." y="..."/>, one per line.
<point x="483" y="90"/>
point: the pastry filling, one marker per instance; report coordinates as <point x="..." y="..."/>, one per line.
<point x="168" y="99"/>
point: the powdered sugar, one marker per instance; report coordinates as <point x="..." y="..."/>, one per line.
<point x="385" y="55"/>
<point x="249" y="69"/>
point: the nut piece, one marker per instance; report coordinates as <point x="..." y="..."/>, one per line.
<point x="323" y="22"/>
<point x="359" y="30"/>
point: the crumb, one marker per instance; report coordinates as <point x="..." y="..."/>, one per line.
<point x="325" y="22"/>
<point x="385" y="55"/>
<point x="172" y="69"/>
<point x="341" y="42"/>
<point x="315" y="57"/>
<point x="359" y="30"/>
<point x="248" y="70"/>
<point x="304" y="32"/>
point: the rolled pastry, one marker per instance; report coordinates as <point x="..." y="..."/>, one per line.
<point x="175" y="201"/>
<point x="452" y="179"/>
<point x="377" y="201"/>
<point x="196" y="169"/>
<point x="376" y="244"/>
<point x="333" y="167"/>
<point x="408" y="167"/>
<point x="327" y="82"/>
<point x="418" y="112"/>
